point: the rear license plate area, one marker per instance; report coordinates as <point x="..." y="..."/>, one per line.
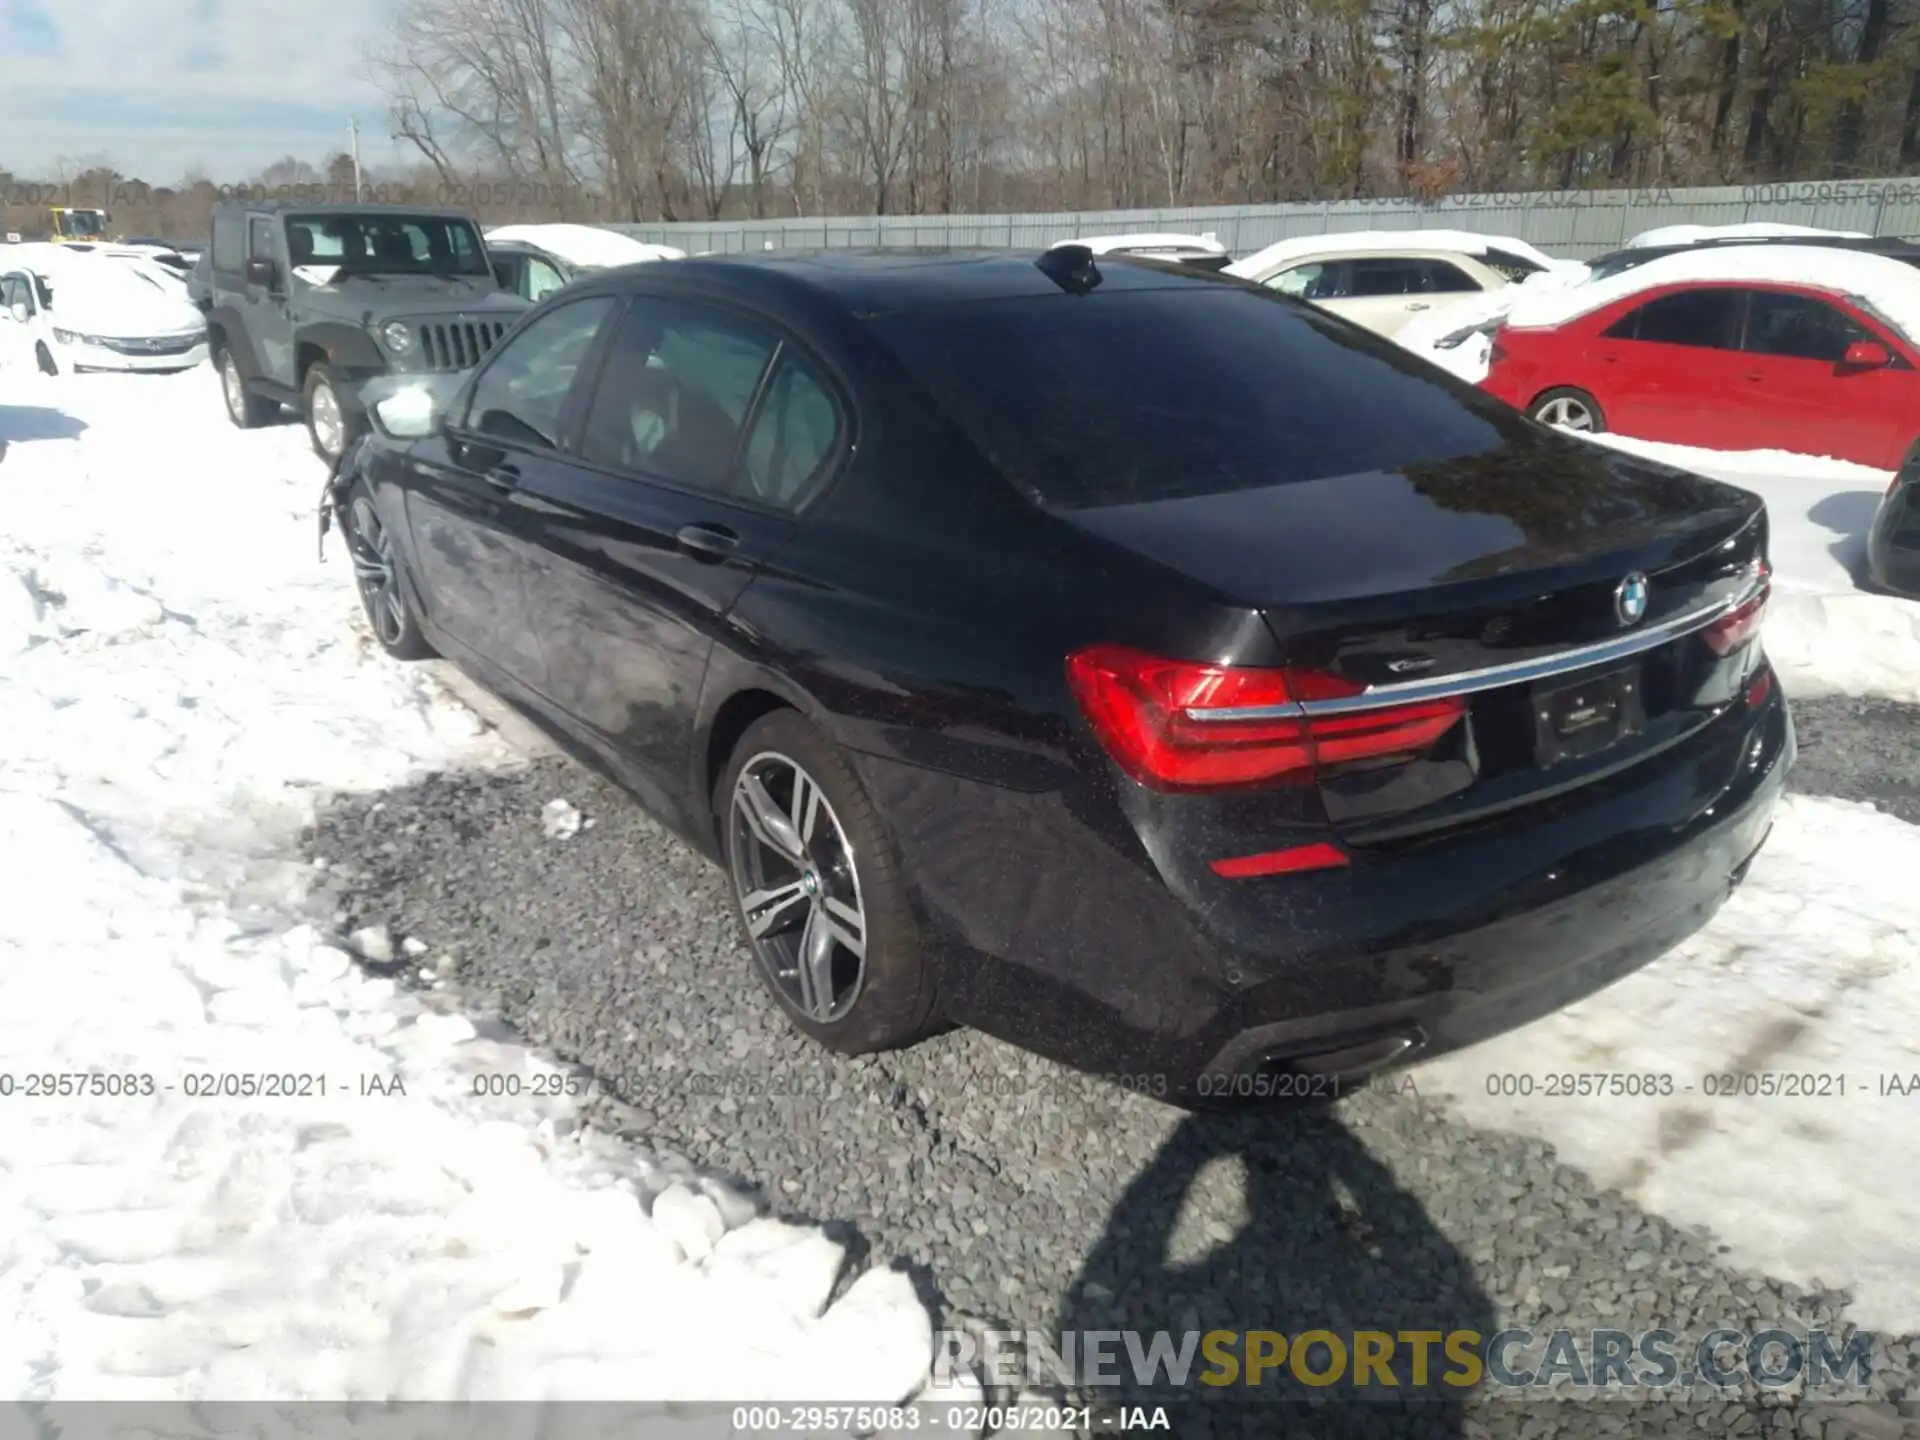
<point x="1579" y="718"/>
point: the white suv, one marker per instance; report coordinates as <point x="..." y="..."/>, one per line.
<point x="1384" y="280"/>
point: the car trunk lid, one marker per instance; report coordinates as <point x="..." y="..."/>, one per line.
<point x="1561" y="590"/>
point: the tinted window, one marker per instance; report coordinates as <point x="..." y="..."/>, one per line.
<point x="1708" y="318"/>
<point x="1377" y="277"/>
<point x="792" y="434"/>
<point x="1148" y="394"/>
<point x="1509" y="266"/>
<point x="542" y="279"/>
<point x="506" y="272"/>
<point x="1446" y="278"/>
<point x="1799" y="326"/>
<point x="387" y="244"/>
<point x="229" y="240"/>
<point x="674" y="391"/>
<point x="1316" y="280"/>
<point x="520" y="396"/>
<point x="259" y="238"/>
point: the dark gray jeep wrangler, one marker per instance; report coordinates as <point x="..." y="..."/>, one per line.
<point x="305" y="302"/>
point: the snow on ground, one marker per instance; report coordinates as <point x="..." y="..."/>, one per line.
<point x="1812" y="970"/>
<point x="181" y="679"/>
<point x="1823" y="633"/>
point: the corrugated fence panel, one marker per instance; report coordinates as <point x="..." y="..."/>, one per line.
<point x="1578" y="223"/>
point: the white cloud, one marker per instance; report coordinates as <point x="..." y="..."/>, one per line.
<point x="231" y="83"/>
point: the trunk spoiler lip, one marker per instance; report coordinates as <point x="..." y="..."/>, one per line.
<point x="1492" y="677"/>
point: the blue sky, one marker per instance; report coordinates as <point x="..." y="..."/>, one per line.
<point x="161" y="85"/>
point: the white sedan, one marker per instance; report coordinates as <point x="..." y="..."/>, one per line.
<point x="82" y="312"/>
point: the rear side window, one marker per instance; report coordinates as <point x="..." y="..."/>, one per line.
<point x="1374" y="278"/>
<point x="259" y="238"/>
<point x="1511" y="267"/>
<point x="1706" y="318"/>
<point x="792" y="435"/>
<point x="1446" y="278"/>
<point x="1799" y="327"/>
<point x="1143" y="395"/>
<point x="229" y="242"/>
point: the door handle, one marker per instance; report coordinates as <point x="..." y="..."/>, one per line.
<point x="711" y="543"/>
<point x="1419" y="305"/>
<point x="504" y="477"/>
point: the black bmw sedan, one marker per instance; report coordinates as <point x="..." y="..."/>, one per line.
<point x="1138" y="665"/>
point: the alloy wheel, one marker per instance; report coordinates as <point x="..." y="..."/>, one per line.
<point x="230" y="384"/>
<point x="1566" y="412"/>
<point x="799" y="886"/>
<point x="375" y="573"/>
<point x="323" y="410"/>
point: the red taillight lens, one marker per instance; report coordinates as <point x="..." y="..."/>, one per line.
<point x="1152" y="716"/>
<point x="1759" y="688"/>
<point x="1729" y="633"/>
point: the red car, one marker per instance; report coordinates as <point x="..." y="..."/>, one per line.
<point x="1729" y="365"/>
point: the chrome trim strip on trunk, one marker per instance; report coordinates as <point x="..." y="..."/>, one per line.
<point x="1516" y="672"/>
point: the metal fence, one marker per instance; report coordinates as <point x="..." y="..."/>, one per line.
<point x="1577" y="224"/>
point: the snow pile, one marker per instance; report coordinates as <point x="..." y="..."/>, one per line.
<point x="1463" y="242"/>
<point x="1887" y="286"/>
<point x="1812" y="968"/>
<point x="587" y="246"/>
<point x="1106" y="244"/>
<point x="1694" y="234"/>
<point x="1470" y="358"/>
<point x="99" y="293"/>
<point x="404" y="1218"/>
<point x="1824" y="635"/>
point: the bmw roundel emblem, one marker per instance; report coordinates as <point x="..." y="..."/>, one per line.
<point x="1630" y="599"/>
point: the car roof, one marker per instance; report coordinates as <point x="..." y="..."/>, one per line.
<point x="870" y="282"/>
<point x="314" y="207"/>
<point x="1877" y="244"/>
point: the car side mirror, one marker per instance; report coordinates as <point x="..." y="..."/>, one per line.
<point x="410" y="414"/>
<point x="1867" y="355"/>
<point x="263" y="272"/>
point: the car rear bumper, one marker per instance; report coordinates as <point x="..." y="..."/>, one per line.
<point x="1051" y="935"/>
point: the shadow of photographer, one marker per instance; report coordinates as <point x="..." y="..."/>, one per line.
<point x="1281" y="1222"/>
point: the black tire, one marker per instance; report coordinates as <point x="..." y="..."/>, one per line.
<point x="43" y="357"/>
<point x="325" y="387"/>
<point x="245" y="410"/>
<point x="1568" y="400"/>
<point x="891" y="1000"/>
<point x="379" y="574"/>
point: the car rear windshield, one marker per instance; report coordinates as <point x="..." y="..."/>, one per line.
<point x="1154" y="394"/>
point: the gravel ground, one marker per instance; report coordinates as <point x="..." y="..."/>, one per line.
<point x="1024" y="1196"/>
<point x="1860" y="749"/>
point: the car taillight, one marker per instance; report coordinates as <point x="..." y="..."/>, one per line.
<point x="1730" y="632"/>
<point x="1179" y="725"/>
